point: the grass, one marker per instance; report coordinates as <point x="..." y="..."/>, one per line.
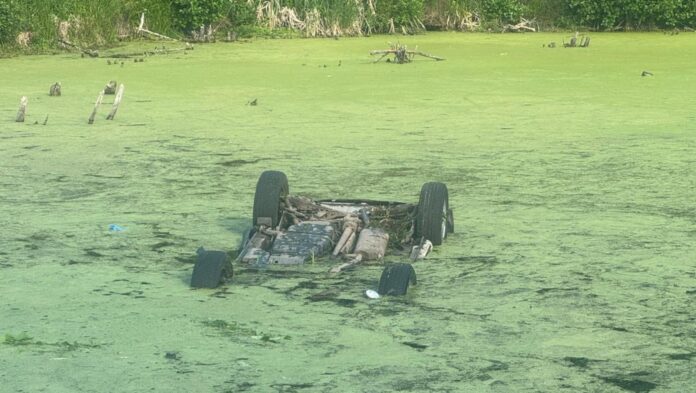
<point x="571" y="178"/>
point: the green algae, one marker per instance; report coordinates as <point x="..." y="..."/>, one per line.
<point x="25" y="340"/>
<point x="571" y="177"/>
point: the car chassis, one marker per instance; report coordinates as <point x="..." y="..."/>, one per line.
<point x="291" y="230"/>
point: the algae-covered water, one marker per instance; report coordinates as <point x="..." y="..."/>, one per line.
<point x="571" y="176"/>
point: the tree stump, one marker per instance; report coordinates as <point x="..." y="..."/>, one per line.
<point x="110" y="88"/>
<point x="400" y="56"/>
<point x="22" y="109"/>
<point x="55" y="90"/>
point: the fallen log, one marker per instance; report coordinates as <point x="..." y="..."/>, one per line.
<point x="156" y="51"/>
<point x="88" y="52"/>
<point x="524" y="25"/>
<point x="117" y="102"/>
<point x="22" y="109"/>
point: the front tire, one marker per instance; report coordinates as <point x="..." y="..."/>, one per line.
<point x="433" y="211"/>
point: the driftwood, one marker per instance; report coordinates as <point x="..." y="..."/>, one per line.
<point x="88" y="52"/>
<point x="402" y="55"/>
<point x="54" y="91"/>
<point x="117" y="102"/>
<point x="22" y="109"/>
<point x="524" y="25"/>
<point x="100" y="97"/>
<point x="142" y="29"/>
<point x="156" y="51"/>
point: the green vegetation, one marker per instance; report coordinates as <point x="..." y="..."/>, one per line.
<point x="571" y="178"/>
<point x="190" y="15"/>
<point x="38" y="24"/>
<point x="235" y="331"/>
<point x="25" y="340"/>
<point x="18" y="340"/>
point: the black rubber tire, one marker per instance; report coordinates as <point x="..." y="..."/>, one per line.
<point x="270" y="190"/>
<point x="395" y="279"/>
<point x="211" y="269"/>
<point x="431" y="217"/>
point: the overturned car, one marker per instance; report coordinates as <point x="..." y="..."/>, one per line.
<point x="291" y="230"/>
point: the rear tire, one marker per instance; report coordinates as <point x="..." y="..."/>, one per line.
<point x="395" y="279"/>
<point x="271" y="188"/>
<point x="433" y="211"/>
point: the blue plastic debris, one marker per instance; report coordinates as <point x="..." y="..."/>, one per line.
<point x="116" y="228"/>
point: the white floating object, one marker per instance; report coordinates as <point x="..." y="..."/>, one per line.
<point x="372" y="294"/>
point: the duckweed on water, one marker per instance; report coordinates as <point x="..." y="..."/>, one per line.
<point x="235" y="331"/>
<point x="570" y="175"/>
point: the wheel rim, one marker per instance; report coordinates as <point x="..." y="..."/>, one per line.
<point x="443" y="225"/>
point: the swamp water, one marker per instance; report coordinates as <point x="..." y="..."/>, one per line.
<point x="572" y="179"/>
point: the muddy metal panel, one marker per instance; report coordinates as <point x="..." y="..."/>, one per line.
<point x="302" y="241"/>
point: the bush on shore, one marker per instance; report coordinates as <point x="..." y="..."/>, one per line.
<point x="40" y="24"/>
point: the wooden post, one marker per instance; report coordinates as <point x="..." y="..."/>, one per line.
<point x="22" y="109"/>
<point x="117" y="101"/>
<point x="100" y="97"/>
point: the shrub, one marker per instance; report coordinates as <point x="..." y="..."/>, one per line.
<point x="9" y="22"/>
<point x="632" y="14"/>
<point x="190" y="15"/>
<point x="503" y="11"/>
<point x="241" y="13"/>
<point x="404" y="13"/>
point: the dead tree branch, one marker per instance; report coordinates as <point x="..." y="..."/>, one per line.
<point x="402" y="54"/>
<point x="142" y="29"/>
